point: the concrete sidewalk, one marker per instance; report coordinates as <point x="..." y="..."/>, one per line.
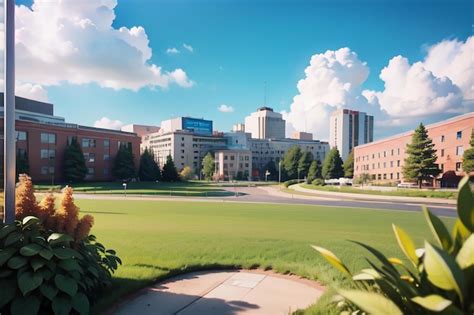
<point x="225" y="293"/>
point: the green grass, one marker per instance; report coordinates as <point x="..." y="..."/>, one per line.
<point x="159" y="239"/>
<point x="398" y="192"/>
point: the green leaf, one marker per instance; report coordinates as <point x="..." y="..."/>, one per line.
<point x="28" y="281"/>
<point x="66" y="284"/>
<point x="332" y="259"/>
<point x="46" y="253"/>
<point x="65" y="253"/>
<point x="49" y="291"/>
<point x="438" y="229"/>
<point x="433" y="302"/>
<point x="17" y="262"/>
<point x="81" y="304"/>
<point x="61" y="305"/>
<point x="443" y="271"/>
<point x="30" y="220"/>
<point x="7" y="229"/>
<point x="30" y="250"/>
<point x="406" y="244"/>
<point x="12" y="238"/>
<point x="466" y="204"/>
<point x="28" y="305"/>
<point x="37" y="262"/>
<point x="465" y="257"/>
<point x="57" y="238"/>
<point x="372" y="303"/>
<point x="6" y="254"/>
<point x="7" y="293"/>
<point x="70" y="265"/>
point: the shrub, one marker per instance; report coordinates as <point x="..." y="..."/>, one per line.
<point x="318" y="182"/>
<point x="290" y="182"/>
<point x="186" y="173"/>
<point x="441" y="282"/>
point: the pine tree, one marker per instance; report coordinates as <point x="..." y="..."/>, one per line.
<point x="271" y="168"/>
<point x="468" y="157"/>
<point x="208" y="166"/>
<point x="314" y="171"/>
<point x="304" y="163"/>
<point x="170" y="173"/>
<point x="74" y="164"/>
<point x="22" y="163"/>
<point x="332" y="166"/>
<point x="349" y="165"/>
<point x="291" y="161"/>
<point x="149" y="171"/>
<point x="124" y="165"/>
<point x="420" y="163"/>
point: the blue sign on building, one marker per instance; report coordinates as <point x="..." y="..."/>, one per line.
<point x="199" y="126"/>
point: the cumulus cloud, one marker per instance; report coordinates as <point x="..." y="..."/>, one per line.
<point x="188" y="47"/>
<point x="28" y="90"/>
<point x="71" y="41"/>
<point x="172" y="51"/>
<point x="108" y="123"/>
<point x="223" y="108"/>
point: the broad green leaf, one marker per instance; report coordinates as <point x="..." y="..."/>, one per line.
<point x="81" y="304"/>
<point x="30" y="250"/>
<point x="438" y="229"/>
<point x="7" y="293"/>
<point x="37" y="262"/>
<point x="7" y="229"/>
<point x="28" y="281"/>
<point x="65" y="253"/>
<point x="406" y="244"/>
<point x="57" y="238"/>
<point x="70" y="265"/>
<point x="6" y="254"/>
<point x="12" y="238"/>
<point x="466" y="204"/>
<point x="62" y="305"/>
<point x="465" y="257"/>
<point x="46" y="253"/>
<point x="332" y="259"/>
<point x="372" y="303"/>
<point x="27" y="221"/>
<point x="25" y="305"/>
<point x="433" y="302"/>
<point x="49" y="291"/>
<point x="66" y="284"/>
<point x="443" y="271"/>
<point x="17" y="262"/>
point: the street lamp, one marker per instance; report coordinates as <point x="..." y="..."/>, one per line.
<point x="125" y="189"/>
<point x="279" y="173"/>
<point x="267" y="173"/>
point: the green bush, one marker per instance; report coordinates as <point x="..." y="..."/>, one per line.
<point x="318" y="182"/>
<point x="48" y="273"/>
<point x="441" y="280"/>
<point x="290" y="182"/>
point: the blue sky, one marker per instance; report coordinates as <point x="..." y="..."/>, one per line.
<point x="238" y="45"/>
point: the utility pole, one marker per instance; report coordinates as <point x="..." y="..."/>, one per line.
<point x="9" y="145"/>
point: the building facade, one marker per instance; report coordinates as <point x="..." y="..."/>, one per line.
<point x="383" y="160"/>
<point x="265" y="124"/>
<point x="194" y="125"/>
<point x="233" y="164"/>
<point x="348" y="129"/>
<point x="140" y="130"/>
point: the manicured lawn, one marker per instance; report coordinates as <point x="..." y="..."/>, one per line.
<point x="158" y="239"/>
<point x="398" y="192"/>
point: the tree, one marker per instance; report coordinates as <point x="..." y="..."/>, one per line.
<point x="314" y="171"/>
<point x="420" y="164"/>
<point x="468" y="157"/>
<point x="208" y="166"/>
<point x="186" y="173"/>
<point x="332" y="166"/>
<point x="304" y="163"/>
<point x="124" y="164"/>
<point x="149" y="171"/>
<point x="22" y="163"/>
<point x="349" y="165"/>
<point x="170" y="173"/>
<point x="271" y="168"/>
<point x="74" y="164"/>
<point x="291" y="161"/>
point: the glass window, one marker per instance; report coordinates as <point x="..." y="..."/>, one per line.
<point x="48" y="154"/>
<point x="442" y="138"/>
<point x="90" y="171"/>
<point x="106" y="157"/>
<point x="459" y="150"/>
<point x="106" y="143"/>
<point x="106" y="171"/>
<point x="88" y="143"/>
<point x="21" y="135"/>
<point x="458" y="166"/>
<point x="49" y="138"/>
<point x="442" y="152"/>
<point x="458" y="135"/>
<point x="47" y="170"/>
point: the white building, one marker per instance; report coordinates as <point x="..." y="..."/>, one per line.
<point x="233" y="164"/>
<point x="140" y="130"/>
<point x="348" y="129"/>
<point x="265" y="124"/>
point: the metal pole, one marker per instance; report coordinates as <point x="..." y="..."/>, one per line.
<point x="9" y="151"/>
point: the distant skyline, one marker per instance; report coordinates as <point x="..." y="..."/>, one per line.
<point x="110" y="63"/>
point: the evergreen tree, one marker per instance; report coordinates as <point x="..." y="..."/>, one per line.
<point x="314" y="171"/>
<point x="208" y="166"/>
<point x="291" y="161"/>
<point x="22" y="163"/>
<point x="304" y="163"/>
<point x="170" y="173"/>
<point x="468" y="157"/>
<point x="332" y="166"/>
<point x="349" y="165"/>
<point x="149" y="171"/>
<point x="124" y="165"/>
<point x="420" y="163"/>
<point x="271" y="168"/>
<point x="74" y="164"/>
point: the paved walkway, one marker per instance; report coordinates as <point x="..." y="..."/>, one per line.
<point x="225" y="293"/>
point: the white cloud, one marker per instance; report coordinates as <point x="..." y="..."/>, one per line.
<point x="28" y="90"/>
<point x="172" y="51"/>
<point x="108" y="123"/>
<point x="225" y="108"/>
<point x="188" y="47"/>
<point x="71" y="41"/>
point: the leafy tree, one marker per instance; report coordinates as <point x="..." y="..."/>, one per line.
<point x="314" y="171"/>
<point x="468" y="157"/>
<point x="291" y="161"/>
<point x="304" y="163"/>
<point x="208" y="166"/>
<point x="149" y="171"/>
<point x="22" y="163"/>
<point x="124" y="165"/>
<point x="271" y="168"/>
<point x="169" y="173"/>
<point x="186" y="173"/>
<point x="332" y="166"/>
<point x="349" y="165"/>
<point x="74" y="164"/>
<point x="420" y="164"/>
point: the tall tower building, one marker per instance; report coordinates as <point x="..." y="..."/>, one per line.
<point x="350" y="128"/>
<point x="265" y="124"/>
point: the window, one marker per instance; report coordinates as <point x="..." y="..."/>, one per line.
<point x="442" y="138"/>
<point x="90" y="171"/>
<point x="384" y="176"/>
<point x="106" y="157"/>
<point x="392" y="152"/>
<point x="232" y="157"/>
<point x="106" y="171"/>
<point x="398" y="163"/>
<point x="49" y="138"/>
<point x="89" y="157"/>
<point x="442" y="152"/>
<point x="48" y="154"/>
<point x="459" y="135"/>
<point x="441" y="167"/>
<point x="458" y="166"/>
<point x="391" y="163"/>
<point x="398" y="175"/>
<point x="88" y="143"/>
<point x="391" y="175"/>
<point x="21" y="135"/>
<point x="47" y="170"/>
<point x="106" y="143"/>
<point x="459" y="150"/>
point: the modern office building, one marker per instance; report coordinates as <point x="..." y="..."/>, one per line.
<point x="140" y="130"/>
<point x="44" y="137"/>
<point x="233" y="164"/>
<point x="265" y="124"/>
<point x="383" y="160"/>
<point x="299" y="135"/>
<point x="348" y="129"/>
<point x="194" y="125"/>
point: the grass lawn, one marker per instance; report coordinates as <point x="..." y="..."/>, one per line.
<point x="158" y="239"/>
<point x="398" y="192"/>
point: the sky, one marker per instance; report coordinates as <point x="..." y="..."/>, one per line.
<point x="109" y="63"/>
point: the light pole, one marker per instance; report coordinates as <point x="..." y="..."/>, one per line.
<point x="125" y="189"/>
<point x="279" y="173"/>
<point x="9" y="150"/>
